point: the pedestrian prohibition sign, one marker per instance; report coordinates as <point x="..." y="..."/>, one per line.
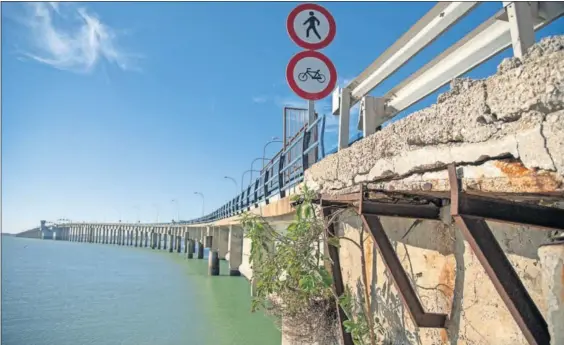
<point x="311" y="75"/>
<point x="311" y="26"/>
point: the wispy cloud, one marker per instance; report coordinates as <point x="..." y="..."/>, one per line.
<point x="77" y="43"/>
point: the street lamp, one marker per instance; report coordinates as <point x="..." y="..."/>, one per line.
<point x="273" y="140"/>
<point x="242" y="176"/>
<point x="174" y="201"/>
<point x="232" y="179"/>
<point x="256" y="159"/>
<point x="203" y="201"/>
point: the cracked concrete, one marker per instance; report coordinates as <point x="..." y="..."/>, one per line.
<point x="516" y="113"/>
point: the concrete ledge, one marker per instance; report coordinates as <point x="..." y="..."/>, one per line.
<point x="517" y="114"/>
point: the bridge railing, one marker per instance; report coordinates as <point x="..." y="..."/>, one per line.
<point x="283" y="172"/>
<point x="514" y="26"/>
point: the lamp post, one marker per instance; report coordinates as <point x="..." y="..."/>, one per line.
<point x="243" y="175"/>
<point x="273" y="140"/>
<point x="203" y="201"/>
<point x="253" y="162"/>
<point x="232" y="179"/>
<point x="174" y="201"/>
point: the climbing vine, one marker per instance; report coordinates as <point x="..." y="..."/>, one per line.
<point x="293" y="283"/>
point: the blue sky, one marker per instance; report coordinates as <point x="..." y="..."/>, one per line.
<point x="114" y="109"/>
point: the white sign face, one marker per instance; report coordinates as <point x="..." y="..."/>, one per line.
<point x="311" y="75"/>
<point x="311" y="26"/>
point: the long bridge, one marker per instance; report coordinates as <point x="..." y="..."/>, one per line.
<point x="463" y="200"/>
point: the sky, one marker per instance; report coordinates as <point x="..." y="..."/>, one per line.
<point x="112" y="110"/>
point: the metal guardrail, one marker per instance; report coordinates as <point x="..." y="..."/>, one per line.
<point x="283" y="172"/>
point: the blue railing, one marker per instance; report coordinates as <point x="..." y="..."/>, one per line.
<point x="284" y="171"/>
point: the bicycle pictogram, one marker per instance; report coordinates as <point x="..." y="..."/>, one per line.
<point x="314" y="75"/>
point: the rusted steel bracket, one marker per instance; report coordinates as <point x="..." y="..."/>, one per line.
<point x="469" y="214"/>
<point x="399" y="276"/>
<point x="337" y="276"/>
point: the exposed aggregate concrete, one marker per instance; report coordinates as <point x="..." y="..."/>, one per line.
<point x="516" y="113"/>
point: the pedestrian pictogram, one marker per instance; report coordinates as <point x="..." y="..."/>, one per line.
<point x="311" y="75"/>
<point x="311" y="26"/>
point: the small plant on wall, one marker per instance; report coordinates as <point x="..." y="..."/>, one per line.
<point x="293" y="282"/>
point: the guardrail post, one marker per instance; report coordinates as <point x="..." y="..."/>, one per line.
<point x="344" y="118"/>
<point x="281" y="175"/>
<point x="521" y="26"/>
<point x="265" y="186"/>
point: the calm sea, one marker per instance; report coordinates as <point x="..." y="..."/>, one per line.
<point x="68" y="293"/>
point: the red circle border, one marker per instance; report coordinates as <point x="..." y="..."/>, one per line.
<point x="306" y="45"/>
<point x="309" y="95"/>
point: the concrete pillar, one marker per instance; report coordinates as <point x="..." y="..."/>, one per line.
<point x="552" y="268"/>
<point x="222" y="236"/>
<point x="186" y="238"/>
<point x="171" y="244"/>
<point x="145" y="234"/>
<point x="165" y="236"/>
<point x="159" y="240"/>
<point x="235" y="248"/>
<point x="209" y="242"/>
<point x="200" y="250"/>
<point x="131" y="234"/>
<point x="136" y="238"/>
<point x="190" y="249"/>
<point x="213" y="263"/>
<point x="178" y="244"/>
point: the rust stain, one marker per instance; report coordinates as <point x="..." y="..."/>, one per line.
<point x="444" y="336"/>
<point x="521" y="179"/>
<point x="562" y="283"/>
<point x="446" y="281"/>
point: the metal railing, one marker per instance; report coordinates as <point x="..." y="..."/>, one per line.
<point x="283" y="172"/>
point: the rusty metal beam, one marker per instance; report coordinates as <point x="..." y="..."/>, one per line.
<point x="399" y="277"/>
<point x="510" y="212"/>
<point x="424" y="211"/>
<point x="337" y="276"/>
<point x="498" y="268"/>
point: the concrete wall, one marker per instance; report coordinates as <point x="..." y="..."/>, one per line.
<point x="447" y="277"/>
<point x="506" y="133"/>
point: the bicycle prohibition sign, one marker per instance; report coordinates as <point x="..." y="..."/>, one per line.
<point x="314" y="75"/>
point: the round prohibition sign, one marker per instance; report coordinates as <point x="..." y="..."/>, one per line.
<point x="311" y="75"/>
<point x="307" y="30"/>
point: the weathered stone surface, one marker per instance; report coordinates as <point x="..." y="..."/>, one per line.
<point x="532" y="149"/>
<point x="513" y="114"/>
<point x="553" y="132"/>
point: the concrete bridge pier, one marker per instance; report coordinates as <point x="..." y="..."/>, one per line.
<point x="159" y="239"/>
<point x="235" y="249"/>
<point x="165" y="240"/>
<point x="222" y="247"/>
<point x="145" y="234"/>
<point x="190" y="249"/>
<point x="131" y="236"/>
<point x="136" y="238"/>
<point x="171" y="244"/>
<point x="178" y="244"/>
<point x="213" y="263"/>
<point x="200" y="250"/>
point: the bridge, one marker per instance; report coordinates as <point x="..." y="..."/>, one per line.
<point x="463" y="200"/>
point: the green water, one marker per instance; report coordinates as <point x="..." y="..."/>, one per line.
<point x="68" y="293"/>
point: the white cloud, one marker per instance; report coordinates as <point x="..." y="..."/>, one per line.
<point x="77" y="43"/>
